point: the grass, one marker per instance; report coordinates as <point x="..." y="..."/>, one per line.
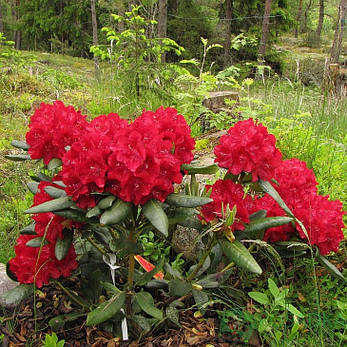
<point x="307" y="125"/>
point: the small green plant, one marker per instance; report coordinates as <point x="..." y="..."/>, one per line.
<point x="52" y="341"/>
<point x="271" y="321"/>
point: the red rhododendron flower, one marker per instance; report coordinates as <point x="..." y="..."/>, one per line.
<point x="135" y="162"/>
<point x="248" y="147"/>
<point x="35" y="265"/>
<point x="323" y="221"/>
<point x="52" y="129"/>
<point x="227" y="192"/>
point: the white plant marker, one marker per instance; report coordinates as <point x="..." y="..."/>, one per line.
<point x="111" y="261"/>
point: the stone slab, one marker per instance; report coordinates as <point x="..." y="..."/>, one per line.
<point x="6" y="283"/>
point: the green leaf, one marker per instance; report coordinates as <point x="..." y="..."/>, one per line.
<point x="198" y="169"/>
<point x="33" y="187"/>
<point x="115" y="214"/>
<point x="259" y="297"/>
<point x="106" y="310"/>
<point x="54" y="163"/>
<point x="157" y="284"/>
<point x="294" y="311"/>
<point x="18" y="157"/>
<point x="58" y="322"/>
<point x="74" y="215"/>
<point x="274" y="290"/>
<point x="126" y="247"/>
<point x="331" y="267"/>
<point x="106" y="202"/>
<point x="62" y="246"/>
<point x="236" y="252"/>
<point x="28" y="230"/>
<point x="200" y="297"/>
<point x="37" y="242"/>
<point x="258" y="214"/>
<point x="179" y="287"/>
<point x="146" y="302"/>
<point x="156" y="215"/>
<point x="55" y="192"/>
<point x="95" y="211"/>
<point x="17" y="294"/>
<point x="51" y="205"/>
<point x="181" y="200"/>
<point x="269" y="189"/>
<point x="262" y="224"/>
<point x="110" y="287"/>
<point x="172" y="314"/>
<point x="20" y="144"/>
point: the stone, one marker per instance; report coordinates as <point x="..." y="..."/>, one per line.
<point x="6" y="283"/>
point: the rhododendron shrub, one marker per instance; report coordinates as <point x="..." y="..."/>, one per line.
<point x="113" y="180"/>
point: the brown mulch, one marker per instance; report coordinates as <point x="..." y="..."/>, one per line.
<point x="20" y="328"/>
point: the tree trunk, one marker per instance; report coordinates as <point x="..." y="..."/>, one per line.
<point x="298" y="17"/>
<point x="1" y="19"/>
<point x="162" y="24"/>
<point x="15" y="18"/>
<point x="337" y="43"/>
<point x="95" y="38"/>
<point x="304" y="27"/>
<point x="227" y="61"/>
<point x="342" y="28"/>
<point x="320" y="19"/>
<point x="264" y="31"/>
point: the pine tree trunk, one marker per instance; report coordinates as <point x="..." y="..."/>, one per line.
<point x="264" y="31"/>
<point x="15" y="17"/>
<point x="337" y="43"/>
<point x="227" y="61"/>
<point x="95" y="38"/>
<point x="320" y="19"/>
<point x="162" y="23"/>
<point x="1" y="19"/>
<point x="298" y="17"/>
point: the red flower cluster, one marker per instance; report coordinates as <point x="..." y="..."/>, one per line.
<point x="321" y="217"/>
<point x="34" y="266"/>
<point x="227" y="192"/>
<point x="250" y="148"/>
<point x="52" y="129"/>
<point x="135" y="162"/>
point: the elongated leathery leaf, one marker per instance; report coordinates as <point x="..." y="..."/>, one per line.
<point x="146" y="302"/>
<point x="115" y="214"/>
<point x="106" y="202"/>
<point x="55" y="192"/>
<point x="20" y="144"/>
<point x="236" y="252"/>
<point x="51" y="205"/>
<point x="269" y="189"/>
<point x="198" y="169"/>
<point x="181" y="200"/>
<point x="106" y="310"/>
<point x="156" y="215"/>
<point x="37" y="242"/>
<point x="255" y="227"/>
<point x="331" y="267"/>
<point x="75" y="215"/>
<point x="33" y="187"/>
<point x="95" y="211"/>
<point x="62" y="246"/>
<point x="18" y="157"/>
<point x="28" y="230"/>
